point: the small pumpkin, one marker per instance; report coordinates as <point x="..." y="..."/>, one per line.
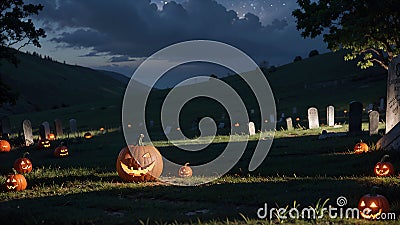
<point x="87" y="135"/>
<point x="137" y="163"/>
<point x="51" y="137"/>
<point x="5" y="146"/>
<point x="361" y="147"/>
<point x="44" y="144"/>
<point x="61" y="151"/>
<point x="15" y="182"/>
<point x="185" y="171"/>
<point x="23" y="164"/>
<point x="384" y="168"/>
<point x="373" y="205"/>
<point x="237" y="125"/>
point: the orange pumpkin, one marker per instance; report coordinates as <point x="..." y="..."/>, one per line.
<point x="361" y="147"/>
<point x="373" y="205"/>
<point x="5" y="146"/>
<point x="185" y="171"/>
<point x="15" y="182"/>
<point x="61" y="151"/>
<point x="23" y="165"/>
<point x="51" y="137"/>
<point x="87" y="135"/>
<point x="44" y="144"/>
<point x="384" y="168"/>
<point x="137" y="163"/>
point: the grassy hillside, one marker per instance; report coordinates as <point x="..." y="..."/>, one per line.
<point x="44" y="84"/>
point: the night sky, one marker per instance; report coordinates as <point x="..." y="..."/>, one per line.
<point x="117" y="35"/>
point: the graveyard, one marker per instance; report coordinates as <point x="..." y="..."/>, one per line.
<point x="312" y="162"/>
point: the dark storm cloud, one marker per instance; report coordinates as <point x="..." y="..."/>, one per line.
<point x="136" y="28"/>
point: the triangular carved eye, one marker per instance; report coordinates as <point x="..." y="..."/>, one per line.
<point x="384" y="167"/>
<point x="14" y="180"/>
<point x="373" y="205"/>
<point x="147" y="155"/>
<point x="8" y="180"/>
<point x="22" y="163"/>
<point x="362" y="204"/>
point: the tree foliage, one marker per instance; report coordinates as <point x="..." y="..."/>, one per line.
<point x="368" y="28"/>
<point x="17" y="28"/>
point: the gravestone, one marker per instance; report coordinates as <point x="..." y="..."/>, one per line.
<point x="59" y="129"/>
<point x="355" y="117"/>
<point x="27" y="128"/>
<point x="369" y="108"/>
<point x="73" y="126"/>
<point x="313" y="121"/>
<point x="382" y="104"/>
<point x="42" y="132"/>
<point x="252" y="128"/>
<point x="221" y="125"/>
<point x="289" y="123"/>
<point x="393" y="95"/>
<point x="5" y="127"/>
<point x="294" y="110"/>
<point x="46" y="126"/>
<point x="373" y="122"/>
<point x="330" y="116"/>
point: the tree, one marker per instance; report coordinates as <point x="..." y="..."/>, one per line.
<point x="297" y="58"/>
<point x="370" y="29"/>
<point x="16" y="28"/>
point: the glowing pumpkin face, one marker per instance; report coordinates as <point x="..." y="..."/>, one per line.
<point x="384" y="168"/>
<point x="87" y="135"/>
<point x="373" y="205"/>
<point x="44" y="144"/>
<point x="23" y="165"/>
<point x="15" y="182"/>
<point x="61" y="151"/>
<point x="185" y="171"/>
<point x="139" y="163"/>
<point x="361" y="147"/>
<point x="51" y="137"/>
<point x="4" y="146"/>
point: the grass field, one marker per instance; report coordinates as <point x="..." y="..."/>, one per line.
<point x="85" y="188"/>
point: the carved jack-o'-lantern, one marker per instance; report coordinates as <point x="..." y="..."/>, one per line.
<point x="23" y="165"/>
<point x="61" y="151"/>
<point x="237" y="125"/>
<point x="44" y="144"/>
<point x="87" y="135"/>
<point x="373" y="205"/>
<point x="4" y="146"/>
<point x="361" y="147"/>
<point x="384" y="168"/>
<point x="51" y="137"/>
<point x="15" y="182"/>
<point x="185" y="171"/>
<point x="139" y="163"/>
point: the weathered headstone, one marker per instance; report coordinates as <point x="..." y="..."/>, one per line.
<point x="221" y="125"/>
<point x="283" y="115"/>
<point x="252" y="128"/>
<point x="73" y="126"/>
<point x="58" y="126"/>
<point x="5" y="127"/>
<point x="330" y="116"/>
<point x="294" y="110"/>
<point x="373" y="122"/>
<point x="393" y="95"/>
<point x="313" y="121"/>
<point x="370" y="107"/>
<point x="27" y="128"/>
<point x="46" y="126"/>
<point x="382" y="104"/>
<point x="42" y="132"/>
<point x="289" y="123"/>
<point x="355" y="117"/>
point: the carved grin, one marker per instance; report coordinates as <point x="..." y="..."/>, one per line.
<point x="26" y="167"/>
<point x="372" y="216"/>
<point x="12" y="187"/>
<point x="137" y="172"/>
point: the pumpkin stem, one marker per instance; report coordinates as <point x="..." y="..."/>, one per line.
<point x="373" y="190"/>
<point x="384" y="158"/>
<point x="25" y="154"/>
<point x="186" y="164"/>
<point x="140" y="140"/>
<point x="14" y="171"/>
